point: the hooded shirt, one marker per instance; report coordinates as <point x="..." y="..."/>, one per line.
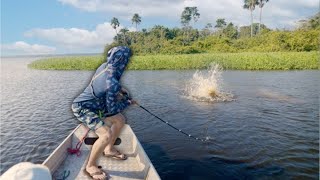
<point x="105" y="84"/>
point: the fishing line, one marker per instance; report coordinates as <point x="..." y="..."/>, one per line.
<point x="126" y="95"/>
<point x="166" y="122"/>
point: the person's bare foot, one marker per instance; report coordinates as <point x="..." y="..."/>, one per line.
<point x="114" y="153"/>
<point x="96" y="173"/>
<point x="110" y="151"/>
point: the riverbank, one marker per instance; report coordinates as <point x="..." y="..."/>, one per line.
<point x="236" y="61"/>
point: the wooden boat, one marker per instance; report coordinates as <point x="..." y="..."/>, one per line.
<point x="137" y="166"/>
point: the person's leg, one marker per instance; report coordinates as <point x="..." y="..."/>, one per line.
<point x="104" y="134"/>
<point x="117" y="122"/>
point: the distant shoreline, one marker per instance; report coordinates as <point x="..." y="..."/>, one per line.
<point x="233" y="61"/>
<point x="51" y="55"/>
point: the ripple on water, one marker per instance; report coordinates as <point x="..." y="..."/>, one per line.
<point x="254" y="137"/>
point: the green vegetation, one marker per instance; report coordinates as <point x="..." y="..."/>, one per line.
<point x="224" y="37"/>
<point x="254" y="47"/>
<point x="271" y="41"/>
<point x="311" y="23"/>
<point x="239" y="61"/>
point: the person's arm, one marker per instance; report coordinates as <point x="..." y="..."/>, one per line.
<point x="113" y="106"/>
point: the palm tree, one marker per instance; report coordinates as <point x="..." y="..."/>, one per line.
<point x="115" y="23"/>
<point x="250" y="4"/>
<point x="136" y="19"/>
<point x="261" y="4"/>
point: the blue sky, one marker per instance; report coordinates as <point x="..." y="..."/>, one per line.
<point x="83" y="26"/>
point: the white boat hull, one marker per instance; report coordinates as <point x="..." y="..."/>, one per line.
<point x="137" y="166"/>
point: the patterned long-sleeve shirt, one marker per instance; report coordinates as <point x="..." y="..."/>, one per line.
<point x="106" y="81"/>
<point x="113" y="105"/>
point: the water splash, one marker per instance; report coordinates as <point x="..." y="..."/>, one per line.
<point x="207" y="86"/>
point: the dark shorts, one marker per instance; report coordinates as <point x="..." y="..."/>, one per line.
<point x="90" y="113"/>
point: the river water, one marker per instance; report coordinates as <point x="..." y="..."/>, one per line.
<point x="269" y="131"/>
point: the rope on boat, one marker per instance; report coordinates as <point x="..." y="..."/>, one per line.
<point x="78" y="146"/>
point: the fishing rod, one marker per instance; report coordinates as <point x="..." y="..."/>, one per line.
<point x="126" y="95"/>
<point x="166" y="122"/>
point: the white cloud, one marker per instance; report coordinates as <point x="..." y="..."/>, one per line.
<point x="21" y="47"/>
<point x="125" y="8"/>
<point x="299" y="3"/>
<point x="75" y="38"/>
<point x="274" y="12"/>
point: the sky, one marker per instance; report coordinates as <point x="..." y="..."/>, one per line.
<point x="36" y="27"/>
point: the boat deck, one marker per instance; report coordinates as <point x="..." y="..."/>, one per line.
<point x="137" y="166"/>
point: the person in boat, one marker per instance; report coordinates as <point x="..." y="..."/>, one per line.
<point x="100" y="104"/>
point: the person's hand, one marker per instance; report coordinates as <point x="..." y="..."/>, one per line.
<point x="124" y="91"/>
<point x="133" y="102"/>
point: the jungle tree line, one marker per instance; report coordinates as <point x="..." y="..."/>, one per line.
<point x="160" y="39"/>
<point x="191" y="14"/>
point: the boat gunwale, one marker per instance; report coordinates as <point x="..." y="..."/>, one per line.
<point x="59" y="147"/>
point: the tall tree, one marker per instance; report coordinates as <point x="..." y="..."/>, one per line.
<point x="207" y="30"/>
<point x="315" y="21"/>
<point x="124" y="34"/>
<point x="251" y="5"/>
<point x="115" y="24"/>
<point x="220" y="24"/>
<point x="208" y="26"/>
<point x="230" y="31"/>
<point x="195" y="14"/>
<point x="261" y="4"/>
<point x="136" y="19"/>
<point x="188" y="14"/>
